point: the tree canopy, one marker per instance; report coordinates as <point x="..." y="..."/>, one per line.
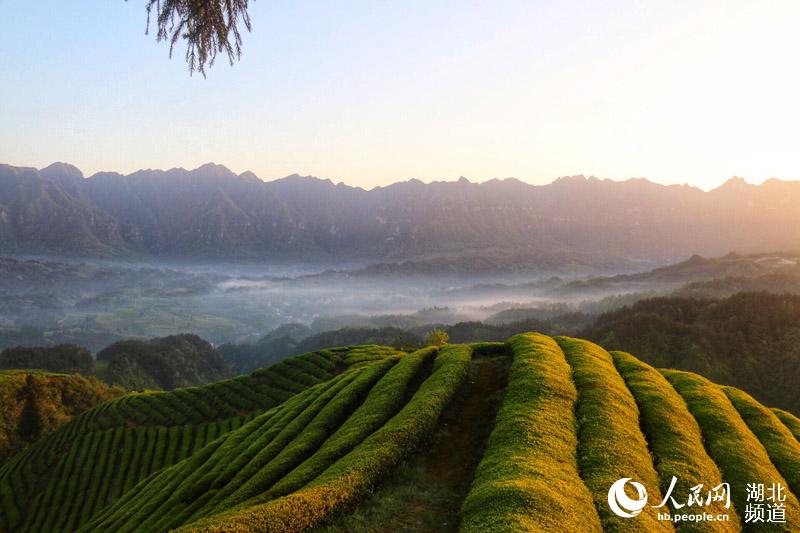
<point x="209" y="27"/>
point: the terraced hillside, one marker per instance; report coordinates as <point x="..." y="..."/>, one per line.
<point x="526" y="435"/>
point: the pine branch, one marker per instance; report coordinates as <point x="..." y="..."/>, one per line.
<point x="209" y="27"/>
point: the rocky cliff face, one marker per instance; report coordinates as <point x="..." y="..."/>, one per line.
<point x="38" y="215"/>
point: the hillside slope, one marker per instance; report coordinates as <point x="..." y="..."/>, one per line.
<point x="749" y="340"/>
<point x="319" y="439"/>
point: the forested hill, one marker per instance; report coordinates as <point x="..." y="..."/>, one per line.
<point x="749" y="340"/>
<point x="34" y="404"/>
<point x="162" y="363"/>
<point x="212" y="212"/>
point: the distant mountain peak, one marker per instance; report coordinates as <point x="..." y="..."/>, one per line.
<point x="736" y="182"/>
<point x="249" y="175"/>
<point x="569" y="180"/>
<point x="297" y="178"/>
<point x="106" y="175"/>
<point x="59" y="169"/>
<point x="213" y="168"/>
<point x="507" y="181"/>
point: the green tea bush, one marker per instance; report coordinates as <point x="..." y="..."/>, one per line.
<point x="352" y="476"/>
<point x="528" y="478"/>
<point x="739" y="455"/>
<point x="306" y="367"/>
<point x="324" y="363"/>
<point x="174" y="493"/>
<point x="312" y="436"/>
<point x="675" y="440"/>
<point x="384" y="401"/>
<point x="610" y="441"/>
<point x="790" y="421"/>
<point x="781" y="446"/>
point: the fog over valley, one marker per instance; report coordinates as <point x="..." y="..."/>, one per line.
<point x="50" y="301"/>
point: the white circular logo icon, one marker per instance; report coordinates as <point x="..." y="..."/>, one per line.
<point x="621" y="503"/>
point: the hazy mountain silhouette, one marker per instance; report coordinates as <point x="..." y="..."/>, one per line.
<point x="210" y="212"/>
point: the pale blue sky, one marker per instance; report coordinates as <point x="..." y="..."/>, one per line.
<point x="371" y="92"/>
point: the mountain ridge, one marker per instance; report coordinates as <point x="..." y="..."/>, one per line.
<point x="211" y="212"/>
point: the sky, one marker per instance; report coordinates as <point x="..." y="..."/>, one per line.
<point x="373" y="92"/>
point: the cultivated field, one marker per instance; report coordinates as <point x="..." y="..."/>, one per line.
<point x="526" y="435"/>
